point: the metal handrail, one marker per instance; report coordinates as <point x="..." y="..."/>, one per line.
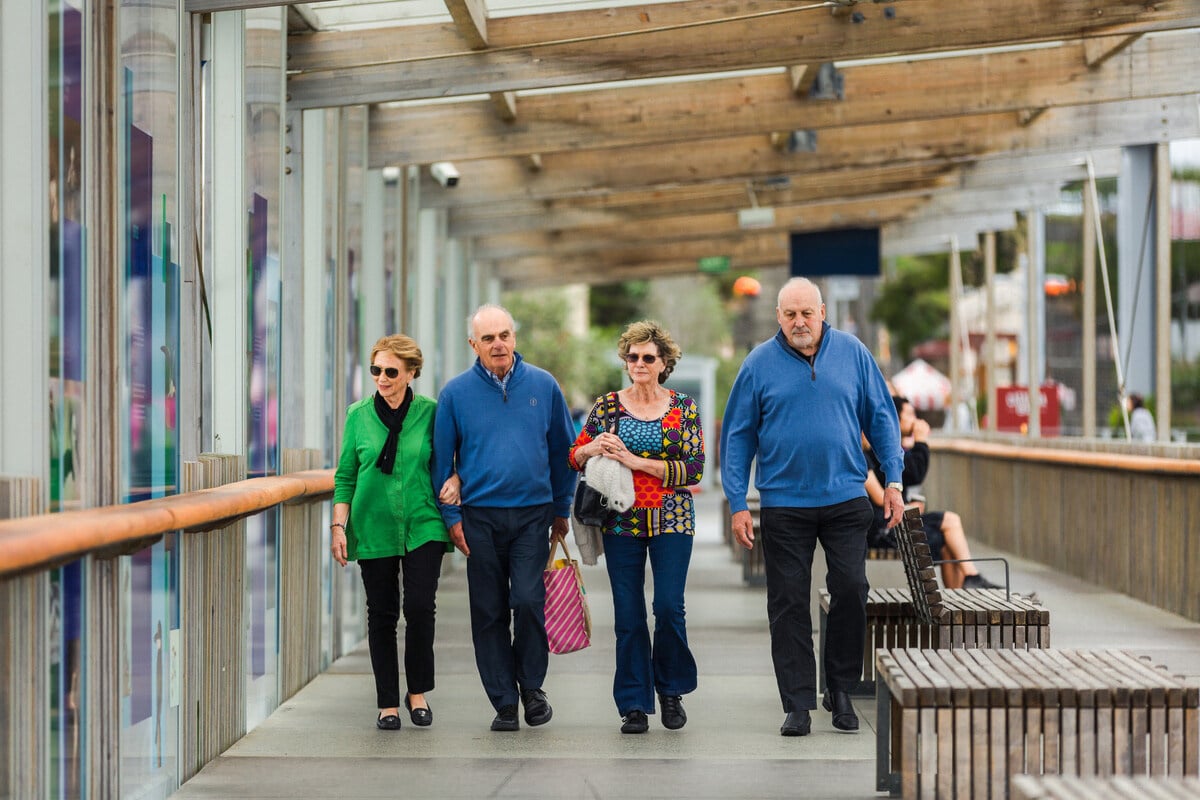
<point x="30" y="544"/>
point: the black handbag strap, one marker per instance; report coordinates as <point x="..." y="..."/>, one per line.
<point x="610" y="412"/>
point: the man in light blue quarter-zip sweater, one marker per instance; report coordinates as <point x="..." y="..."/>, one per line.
<point x="799" y="404"/>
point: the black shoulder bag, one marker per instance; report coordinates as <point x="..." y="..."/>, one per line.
<point x="589" y="503"/>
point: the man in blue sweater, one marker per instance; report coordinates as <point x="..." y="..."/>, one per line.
<point x="799" y="404"/>
<point x="504" y="426"/>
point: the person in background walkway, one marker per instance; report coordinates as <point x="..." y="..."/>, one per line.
<point x="504" y="426"/>
<point x="658" y="436"/>
<point x="1141" y="421"/>
<point x="798" y="404"/>
<point x="385" y="517"/>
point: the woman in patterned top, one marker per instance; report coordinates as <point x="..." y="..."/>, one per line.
<point x="657" y="435"/>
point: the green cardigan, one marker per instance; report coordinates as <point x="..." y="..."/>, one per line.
<point x="390" y="515"/>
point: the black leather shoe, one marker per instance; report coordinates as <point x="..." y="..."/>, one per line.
<point x="635" y="722"/>
<point x="506" y="719"/>
<point x="844" y="718"/>
<point x="537" y="709"/>
<point x="422" y="717"/>
<point x="673" y="715"/>
<point x="388" y="723"/>
<point x="796" y="723"/>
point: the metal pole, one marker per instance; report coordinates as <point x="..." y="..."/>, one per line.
<point x="1089" y="314"/>
<point x="989" y="346"/>
<point x="1112" y="324"/>
<point x="1162" y="293"/>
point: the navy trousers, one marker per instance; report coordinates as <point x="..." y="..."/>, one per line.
<point x="509" y="548"/>
<point x="789" y="539"/>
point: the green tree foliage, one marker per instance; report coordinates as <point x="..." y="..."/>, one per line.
<point x="585" y="366"/>
<point x="615" y="305"/>
<point x="914" y="304"/>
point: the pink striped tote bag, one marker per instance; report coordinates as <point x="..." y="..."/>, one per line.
<point x="568" y="623"/>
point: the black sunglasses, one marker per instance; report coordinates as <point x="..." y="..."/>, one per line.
<point x="648" y="358"/>
<point x="391" y="372"/>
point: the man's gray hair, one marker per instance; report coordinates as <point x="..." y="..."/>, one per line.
<point x="487" y="307"/>
<point x="793" y="283"/>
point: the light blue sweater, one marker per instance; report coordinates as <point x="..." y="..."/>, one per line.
<point x="509" y="447"/>
<point x="803" y="422"/>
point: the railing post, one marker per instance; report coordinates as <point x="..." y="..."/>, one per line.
<point x="24" y="662"/>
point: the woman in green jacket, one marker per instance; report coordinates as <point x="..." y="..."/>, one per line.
<point x="386" y="517"/>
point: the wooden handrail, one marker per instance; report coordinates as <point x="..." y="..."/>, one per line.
<point x="1074" y="458"/>
<point x="33" y="543"/>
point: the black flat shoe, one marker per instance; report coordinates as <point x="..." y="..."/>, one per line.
<point x="537" y="708"/>
<point x="635" y="722"/>
<point x="844" y="718"/>
<point x="388" y="723"/>
<point x="796" y="723"/>
<point x="422" y="717"/>
<point x="506" y="719"/>
<point x="673" y="715"/>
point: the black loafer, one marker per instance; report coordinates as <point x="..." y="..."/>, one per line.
<point x="388" y="723"/>
<point x="635" y="722"/>
<point x="673" y="715"/>
<point x="537" y="708"/>
<point x="796" y="723"/>
<point x="844" y="718"/>
<point x="419" y="716"/>
<point x="506" y="719"/>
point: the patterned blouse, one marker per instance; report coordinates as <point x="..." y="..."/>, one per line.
<point x="661" y="506"/>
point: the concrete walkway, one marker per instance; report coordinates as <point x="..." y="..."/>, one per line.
<point x="322" y="743"/>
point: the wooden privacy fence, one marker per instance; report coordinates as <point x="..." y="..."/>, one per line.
<point x="1125" y="521"/>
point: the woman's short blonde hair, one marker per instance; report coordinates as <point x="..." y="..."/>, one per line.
<point x="402" y="347"/>
<point x="649" y="330"/>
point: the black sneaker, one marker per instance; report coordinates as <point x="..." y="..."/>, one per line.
<point x="635" y="722"/>
<point x="979" y="582"/>
<point x="506" y="719"/>
<point x="673" y="715"/>
<point x="537" y="709"/>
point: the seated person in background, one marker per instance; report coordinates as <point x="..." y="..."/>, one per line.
<point x="943" y="529"/>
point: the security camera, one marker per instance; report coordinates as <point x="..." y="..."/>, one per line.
<point x="445" y="173"/>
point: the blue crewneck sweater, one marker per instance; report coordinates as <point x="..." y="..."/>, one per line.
<point x="802" y="421"/>
<point x="509" y="445"/>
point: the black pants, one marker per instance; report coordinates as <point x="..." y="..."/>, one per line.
<point x="381" y="580"/>
<point x="789" y="538"/>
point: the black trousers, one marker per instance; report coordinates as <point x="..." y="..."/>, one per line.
<point x="381" y="580"/>
<point x="789" y="539"/>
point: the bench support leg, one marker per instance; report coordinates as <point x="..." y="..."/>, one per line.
<point x="885" y="779"/>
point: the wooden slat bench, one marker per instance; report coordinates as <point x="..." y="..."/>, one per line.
<point x="960" y="723"/>
<point x="939" y="619"/>
<point x="969" y="618"/>
<point x="1141" y="787"/>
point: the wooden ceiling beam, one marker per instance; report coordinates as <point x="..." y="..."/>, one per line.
<point x="548" y="50"/>
<point x="1158" y="66"/>
<point x="471" y="19"/>
<point x="874" y="210"/>
<point x="1102" y="48"/>
<point x="749" y="158"/>
<point x="745" y="249"/>
<point x="641" y="206"/>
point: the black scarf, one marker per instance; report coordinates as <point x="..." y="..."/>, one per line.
<point x="393" y="418"/>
